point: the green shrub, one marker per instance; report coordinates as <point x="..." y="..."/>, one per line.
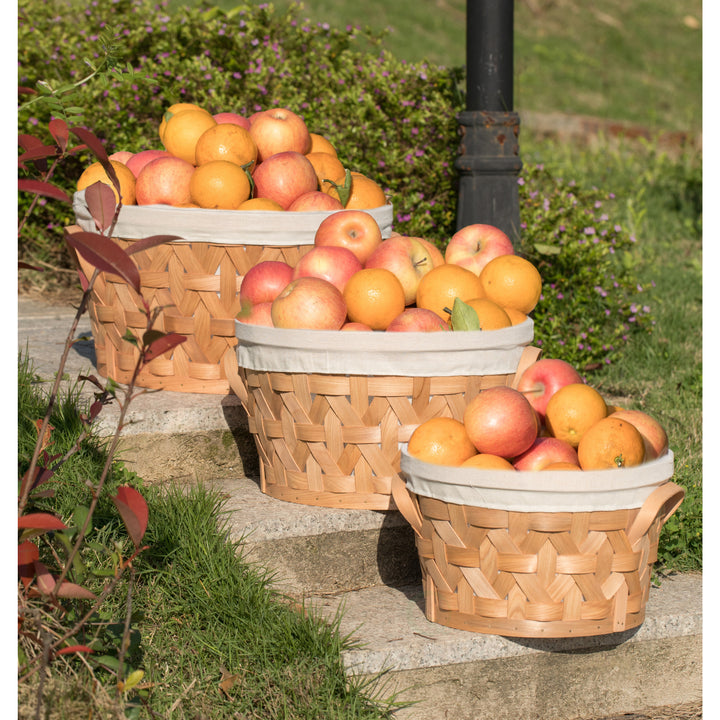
<point x="395" y="122"/>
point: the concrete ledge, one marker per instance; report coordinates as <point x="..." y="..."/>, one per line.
<point x="473" y="676"/>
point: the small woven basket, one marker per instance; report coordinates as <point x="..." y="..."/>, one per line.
<point x="333" y="438"/>
<point x="195" y="283"/>
<point x="572" y="571"/>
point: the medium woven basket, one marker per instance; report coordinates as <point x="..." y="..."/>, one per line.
<point x="548" y="574"/>
<point x="195" y="284"/>
<point x="331" y="439"/>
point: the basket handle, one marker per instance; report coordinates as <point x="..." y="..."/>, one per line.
<point x="529" y="355"/>
<point x="406" y="503"/>
<point x="230" y="364"/>
<point x="664" y="501"/>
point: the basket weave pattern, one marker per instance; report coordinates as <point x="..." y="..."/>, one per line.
<point x="333" y="440"/>
<point x="196" y="287"/>
<point x="537" y="574"/>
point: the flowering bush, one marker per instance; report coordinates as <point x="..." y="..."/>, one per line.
<point x="393" y="121"/>
<point x="590" y="303"/>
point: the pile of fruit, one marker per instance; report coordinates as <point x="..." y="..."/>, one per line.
<point x="353" y="279"/>
<point x="552" y="421"/>
<point x="267" y="161"/>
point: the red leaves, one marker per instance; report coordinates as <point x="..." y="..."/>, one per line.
<point x="134" y="511"/>
<point x="41" y="521"/>
<point x="105" y="255"/>
<point x="101" y="203"/>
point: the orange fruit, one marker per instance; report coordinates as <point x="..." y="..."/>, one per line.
<point x="516" y="316"/>
<point x="96" y="172"/>
<point x="490" y="314"/>
<point x="319" y="143"/>
<point x="365" y="193"/>
<point x="226" y="141"/>
<point x="442" y="441"/>
<point x="260" y="204"/>
<point x="611" y="443"/>
<point x="561" y="466"/>
<point x="183" y="130"/>
<point x="573" y="410"/>
<point x="219" y="184"/>
<point x="512" y="281"/>
<point x="326" y="165"/>
<point x="172" y="110"/>
<point x="439" y="287"/>
<point x="488" y="461"/>
<point x="374" y="296"/>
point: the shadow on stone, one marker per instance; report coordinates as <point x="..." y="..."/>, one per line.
<point x="237" y="421"/>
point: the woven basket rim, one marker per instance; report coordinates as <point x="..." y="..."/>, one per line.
<point x="225" y="227"/>
<point x="415" y="354"/>
<point x="538" y="491"/>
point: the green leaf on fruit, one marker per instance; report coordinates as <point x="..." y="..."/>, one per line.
<point x="463" y="316"/>
<point x="344" y="191"/>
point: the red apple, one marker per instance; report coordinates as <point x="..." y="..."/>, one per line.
<point x="543" y="452"/>
<point x="140" y="159"/>
<point x="356" y="230"/>
<point x="407" y="258"/>
<point x="258" y="314"/>
<point x="284" y="177"/>
<point x="264" y="281"/>
<point x="232" y="118"/>
<point x="475" y="245"/>
<point x="332" y="263"/>
<point x="356" y="327"/>
<point x="436" y="253"/>
<point x="417" y="320"/>
<point x="653" y="433"/>
<point x="543" y="378"/>
<point x="311" y="303"/>
<point x="315" y="200"/>
<point x="164" y="181"/>
<point x="500" y="421"/>
<point x="279" y="130"/>
<point x="121" y="156"/>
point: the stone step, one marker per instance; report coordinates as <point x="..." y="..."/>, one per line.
<point x="458" y="674"/>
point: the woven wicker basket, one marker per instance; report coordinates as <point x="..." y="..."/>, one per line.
<point x="333" y="439"/>
<point x="195" y="282"/>
<point x="572" y="571"/>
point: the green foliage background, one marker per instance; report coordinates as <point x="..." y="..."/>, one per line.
<point x="393" y="121"/>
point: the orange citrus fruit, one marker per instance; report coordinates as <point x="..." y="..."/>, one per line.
<point x="488" y="461"/>
<point x="219" y="184"/>
<point x="442" y="441"/>
<point x="611" y="443"/>
<point x="365" y="193"/>
<point x="439" y="287"/>
<point x="516" y="316"/>
<point x="226" y="141"/>
<point x="573" y="410"/>
<point x="183" y="130"/>
<point x="96" y="172"/>
<point x="319" y="143"/>
<point x="260" y="204"/>
<point x="490" y="314"/>
<point x="374" y="296"/>
<point x="172" y="110"/>
<point x="512" y="281"/>
<point x="325" y="165"/>
<point x="560" y="465"/>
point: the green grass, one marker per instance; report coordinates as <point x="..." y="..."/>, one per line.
<point x="638" y="62"/>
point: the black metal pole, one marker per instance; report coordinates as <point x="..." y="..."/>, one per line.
<point x="489" y="157"/>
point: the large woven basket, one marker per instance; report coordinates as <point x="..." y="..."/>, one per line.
<point x="195" y="282"/>
<point x="329" y="410"/>
<point x="537" y="554"/>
